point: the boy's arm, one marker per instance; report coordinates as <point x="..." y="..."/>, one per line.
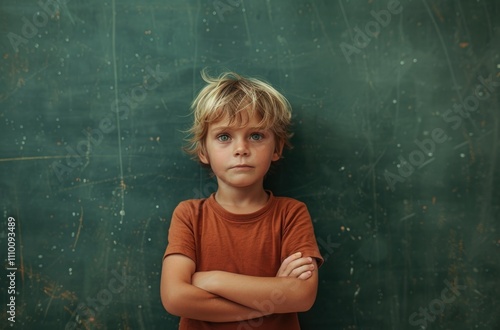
<point x="181" y="298"/>
<point x="266" y="294"/>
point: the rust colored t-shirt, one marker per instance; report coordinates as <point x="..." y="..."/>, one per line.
<point x="251" y="244"/>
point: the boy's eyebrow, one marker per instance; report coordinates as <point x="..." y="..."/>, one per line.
<point x="218" y="128"/>
<point x="228" y="128"/>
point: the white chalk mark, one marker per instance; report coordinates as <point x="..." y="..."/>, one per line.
<point x="460" y="145"/>
<point x="246" y="23"/>
<point x="357" y="292"/>
<point x="427" y="162"/>
<point x="164" y="104"/>
<point x="65" y="9"/>
<point x="118" y="130"/>
<point x="407" y="217"/>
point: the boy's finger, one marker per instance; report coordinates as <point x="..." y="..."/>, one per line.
<point x="293" y="257"/>
<point x="299" y="262"/>
<point x="305" y="275"/>
<point x="297" y="271"/>
<point x="293" y="268"/>
<point x="285" y="268"/>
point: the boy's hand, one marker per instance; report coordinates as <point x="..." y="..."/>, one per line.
<point x="295" y="266"/>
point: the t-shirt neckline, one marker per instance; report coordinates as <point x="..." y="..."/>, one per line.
<point x="235" y="217"/>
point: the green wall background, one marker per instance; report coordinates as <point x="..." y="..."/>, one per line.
<point x="396" y="121"/>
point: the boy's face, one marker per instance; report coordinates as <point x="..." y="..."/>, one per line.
<point x="240" y="156"/>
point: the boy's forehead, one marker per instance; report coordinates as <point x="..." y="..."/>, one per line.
<point x="234" y="126"/>
<point x="240" y="120"/>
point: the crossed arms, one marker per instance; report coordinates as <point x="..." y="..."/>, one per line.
<point x="219" y="296"/>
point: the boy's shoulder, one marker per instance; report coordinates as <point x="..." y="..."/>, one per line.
<point x="288" y="203"/>
<point x="287" y="200"/>
<point x="193" y="203"/>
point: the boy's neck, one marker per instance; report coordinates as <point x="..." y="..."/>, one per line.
<point x="241" y="200"/>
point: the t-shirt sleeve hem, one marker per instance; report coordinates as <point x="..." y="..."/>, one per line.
<point x="179" y="250"/>
<point x="314" y="254"/>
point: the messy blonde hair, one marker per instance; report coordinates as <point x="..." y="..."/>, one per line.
<point x="230" y="94"/>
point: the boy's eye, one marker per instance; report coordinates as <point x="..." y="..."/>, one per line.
<point x="223" y="137"/>
<point x="256" y="136"/>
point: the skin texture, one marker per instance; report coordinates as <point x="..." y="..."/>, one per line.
<point x="185" y="292"/>
<point x="285" y="293"/>
<point x="239" y="157"/>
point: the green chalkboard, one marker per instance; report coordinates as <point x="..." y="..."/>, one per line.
<point x="396" y="152"/>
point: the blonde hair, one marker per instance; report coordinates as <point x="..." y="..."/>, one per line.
<point x="227" y="96"/>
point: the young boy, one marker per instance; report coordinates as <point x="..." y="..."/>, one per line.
<point x="241" y="258"/>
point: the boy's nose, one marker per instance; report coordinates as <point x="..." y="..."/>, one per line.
<point x="241" y="149"/>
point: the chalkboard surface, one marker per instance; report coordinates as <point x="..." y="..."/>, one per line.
<point x="396" y="152"/>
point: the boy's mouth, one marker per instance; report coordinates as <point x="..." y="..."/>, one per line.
<point x="241" y="166"/>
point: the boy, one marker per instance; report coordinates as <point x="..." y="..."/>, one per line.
<point x="241" y="258"/>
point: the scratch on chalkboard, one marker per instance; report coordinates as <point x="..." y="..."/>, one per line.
<point x="372" y="166"/>
<point x="346" y="20"/>
<point x="21" y="81"/>
<point x="15" y="159"/>
<point x="66" y="11"/>
<point x="407" y="217"/>
<point x="443" y="44"/>
<point x="51" y="289"/>
<point x="50" y="300"/>
<point x="79" y="227"/>
<point x="320" y="21"/>
<point x="246" y="24"/>
<point x="466" y="28"/>
<point x="436" y="11"/>
<point x="118" y="129"/>
<point x="144" y="233"/>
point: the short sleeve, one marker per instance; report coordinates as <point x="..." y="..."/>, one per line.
<point x="298" y="234"/>
<point x="181" y="237"/>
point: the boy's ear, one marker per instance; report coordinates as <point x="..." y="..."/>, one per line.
<point x="203" y="158"/>
<point x="278" y="151"/>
